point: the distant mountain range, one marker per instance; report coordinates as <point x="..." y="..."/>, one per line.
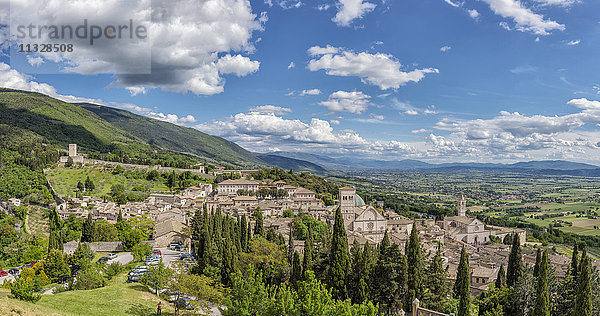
<point x="556" y="167"/>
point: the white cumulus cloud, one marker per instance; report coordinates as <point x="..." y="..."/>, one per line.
<point x="310" y="92"/>
<point x="350" y="10"/>
<point x="378" y="69"/>
<point x="347" y="101"/>
<point x="525" y="19"/>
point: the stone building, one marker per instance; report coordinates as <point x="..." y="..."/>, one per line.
<point x="359" y="217"/>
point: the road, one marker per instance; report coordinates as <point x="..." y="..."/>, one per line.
<point x="123" y="258"/>
<point x="169" y="256"/>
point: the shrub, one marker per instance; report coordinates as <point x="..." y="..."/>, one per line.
<point x="113" y="269"/>
<point x="91" y="277"/>
<point x="141" y="251"/>
<point x="25" y="290"/>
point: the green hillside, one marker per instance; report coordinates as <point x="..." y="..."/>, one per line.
<point x="33" y="117"/>
<point x="174" y="137"/>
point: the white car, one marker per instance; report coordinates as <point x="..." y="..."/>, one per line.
<point x="111" y="256"/>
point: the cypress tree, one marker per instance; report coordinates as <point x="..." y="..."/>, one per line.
<point x="248" y="235"/>
<point x="574" y="265"/>
<point x="87" y="231"/>
<point x="414" y="264"/>
<point x="243" y="234"/>
<point x="538" y="259"/>
<point x="354" y="276"/>
<point x="501" y="278"/>
<point x="462" y="287"/>
<point x="258" y="227"/>
<point x="290" y="254"/>
<point x="296" y="275"/>
<point x="338" y="259"/>
<point x="542" y="299"/>
<point x="583" y="302"/>
<point x="515" y="262"/>
<point x="308" y="252"/>
<point x="583" y="256"/>
<point x="120" y="216"/>
<point x="436" y="282"/>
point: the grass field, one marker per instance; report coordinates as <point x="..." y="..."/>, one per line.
<point x="37" y="223"/>
<point x="117" y="298"/>
<point x="64" y="181"/>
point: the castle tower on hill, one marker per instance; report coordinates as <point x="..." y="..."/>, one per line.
<point x="72" y="150"/>
<point x="347" y="204"/>
<point x="462" y="206"/>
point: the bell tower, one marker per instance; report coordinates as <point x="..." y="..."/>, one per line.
<point x="347" y="203"/>
<point x="462" y="206"/>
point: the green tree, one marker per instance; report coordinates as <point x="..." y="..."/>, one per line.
<point x="515" y="262"/>
<point x="437" y="290"/>
<point x="258" y="226"/>
<point x="501" y="277"/>
<point x="89" y="184"/>
<point x="583" y="302"/>
<point x="296" y="274"/>
<point x="171" y="180"/>
<point x="82" y="256"/>
<point x="388" y="277"/>
<point x="55" y="265"/>
<point x="307" y="258"/>
<point x="105" y="231"/>
<point x="542" y="299"/>
<point x="338" y="259"/>
<point x="25" y="289"/>
<point x="156" y="278"/>
<point x="243" y="234"/>
<point x="538" y="260"/>
<point x="290" y="248"/>
<point x="462" y="287"/>
<point x="88" y="230"/>
<point x="414" y="264"/>
<point x="574" y="267"/>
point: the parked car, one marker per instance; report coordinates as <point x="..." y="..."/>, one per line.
<point x="185" y="255"/>
<point x="64" y="278"/>
<point x="184" y="303"/>
<point x="140" y="269"/>
<point x="13" y="271"/>
<point x="75" y="272"/>
<point x="156" y="252"/>
<point x="3" y="273"/>
<point x="111" y="256"/>
<point x="103" y="260"/>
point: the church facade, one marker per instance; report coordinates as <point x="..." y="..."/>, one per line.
<point x="359" y="217"/>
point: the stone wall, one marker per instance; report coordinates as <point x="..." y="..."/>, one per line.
<point x="108" y="246"/>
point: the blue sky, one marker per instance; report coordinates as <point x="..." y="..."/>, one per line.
<point x="436" y="80"/>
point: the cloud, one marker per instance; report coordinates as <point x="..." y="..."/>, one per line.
<point x="291" y="65"/>
<point x="430" y="112"/>
<point x="350" y="10"/>
<point x="191" y="45"/>
<point x="35" y="61"/>
<point x="323" y="7"/>
<point x="271" y="109"/>
<point x="378" y="69"/>
<point x="261" y="131"/>
<point x="512" y="133"/>
<point x="562" y="3"/>
<point x="473" y="13"/>
<point x="584" y="103"/>
<point x="376" y="117"/>
<point x="334" y="122"/>
<point x="411" y="112"/>
<point x="309" y="92"/>
<point x="525" y="19"/>
<point x="573" y="43"/>
<point x="347" y="101"/>
<point x="445" y="48"/>
<point x="285" y="4"/>
<point x="420" y="131"/>
<point x="172" y="118"/>
<point x="238" y="65"/>
<point x="523" y="69"/>
<point x="454" y="4"/>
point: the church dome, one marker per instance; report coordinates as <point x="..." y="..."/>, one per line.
<point x="358" y="201"/>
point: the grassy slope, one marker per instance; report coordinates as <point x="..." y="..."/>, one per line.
<point x="64" y="181"/>
<point x="58" y="121"/>
<point x="117" y="298"/>
<point x="174" y="137"/>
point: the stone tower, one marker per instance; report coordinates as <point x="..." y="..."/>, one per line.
<point x="347" y="203"/>
<point x="462" y="206"/>
<point x="72" y="150"/>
